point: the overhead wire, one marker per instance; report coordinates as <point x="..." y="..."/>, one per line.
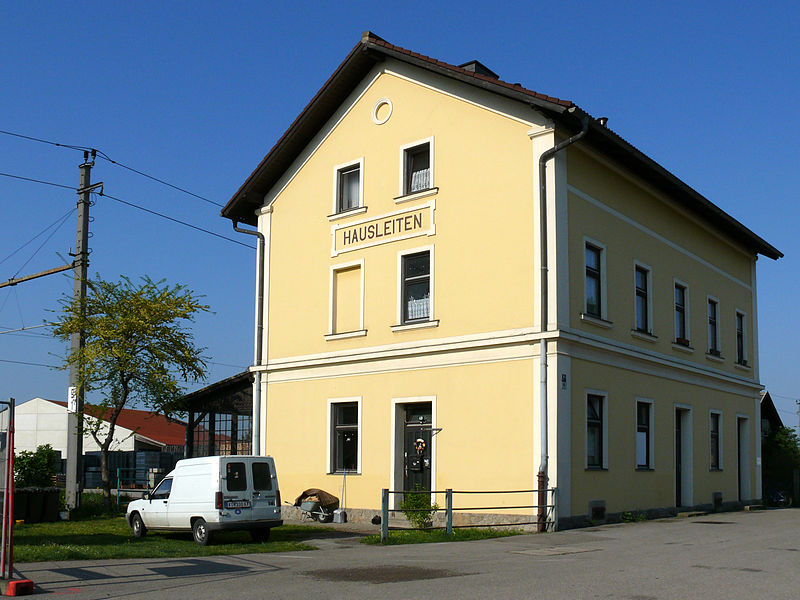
<point x="32" y="364"/>
<point x="60" y="185"/>
<point x="106" y="157"/>
<point x="173" y="219"/>
<point x="53" y="224"/>
<point x="47" y="239"/>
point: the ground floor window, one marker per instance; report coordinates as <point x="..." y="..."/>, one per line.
<point x="594" y="431"/>
<point x="643" y="435"/>
<point x="344" y="436"/>
<point x="714" y="441"/>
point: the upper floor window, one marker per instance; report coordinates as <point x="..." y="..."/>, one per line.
<point x="681" y="330"/>
<point x="593" y="281"/>
<point x="713" y="329"/>
<point x="416" y="287"/>
<point x="417" y="168"/>
<point x="642" y="278"/>
<point x="348" y="187"/>
<point x="741" y="357"/>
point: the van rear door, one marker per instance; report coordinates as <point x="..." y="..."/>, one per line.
<point x="236" y="498"/>
<point x="265" y="490"/>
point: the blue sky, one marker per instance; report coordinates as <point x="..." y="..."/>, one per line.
<point x="197" y="93"/>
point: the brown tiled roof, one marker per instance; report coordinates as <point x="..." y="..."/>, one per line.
<point x="372" y="49"/>
<point x="145" y="423"/>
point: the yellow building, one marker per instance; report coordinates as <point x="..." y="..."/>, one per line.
<point x="422" y="246"/>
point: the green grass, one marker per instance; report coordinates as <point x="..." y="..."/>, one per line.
<point x="440" y="535"/>
<point x="110" y="537"/>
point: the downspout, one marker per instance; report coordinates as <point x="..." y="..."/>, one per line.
<point x="258" y="353"/>
<point x="541" y="479"/>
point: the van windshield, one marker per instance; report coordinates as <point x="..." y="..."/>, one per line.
<point x="236" y="477"/>
<point x="262" y="478"/>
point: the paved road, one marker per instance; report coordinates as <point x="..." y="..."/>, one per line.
<point x="731" y="556"/>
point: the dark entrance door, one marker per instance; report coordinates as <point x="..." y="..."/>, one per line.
<point x="417" y="435"/>
<point x="678" y="457"/>
<point x="739" y="460"/>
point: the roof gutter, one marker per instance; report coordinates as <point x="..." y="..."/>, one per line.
<point x="541" y="479"/>
<point x="259" y="333"/>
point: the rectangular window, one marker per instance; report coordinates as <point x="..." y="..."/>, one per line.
<point x="594" y="431"/>
<point x="593" y="281"/>
<point x="346" y="309"/>
<point x="681" y="334"/>
<point x="416" y="287"/>
<point x="344" y="442"/>
<point x="235" y="477"/>
<point x="642" y="276"/>
<point x="714" y="440"/>
<point x="417" y="168"/>
<point x="348" y="188"/>
<point x="262" y="477"/>
<point x="713" y="330"/>
<point x="740" y="354"/>
<point x="643" y="414"/>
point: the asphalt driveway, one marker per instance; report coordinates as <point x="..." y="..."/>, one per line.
<point x="730" y="555"/>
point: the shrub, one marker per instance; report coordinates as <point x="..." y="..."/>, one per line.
<point x="35" y="469"/>
<point x="418" y="509"/>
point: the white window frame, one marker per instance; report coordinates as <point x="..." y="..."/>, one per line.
<point x="431" y="322"/>
<point x="718" y="341"/>
<point x="604" y="395"/>
<point x="719" y="440"/>
<point x="642" y="266"/>
<point x="330" y="468"/>
<point x="401" y="190"/>
<point x="686" y="314"/>
<point x="335" y="212"/>
<point x="744" y="362"/>
<point x="651" y="435"/>
<point x="603" y="278"/>
<point x="334" y="335"/>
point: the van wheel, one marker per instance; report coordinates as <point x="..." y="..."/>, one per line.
<point x="137" y="525"/>
<point x="260" y="535"/>
<point x="202" y="535"/>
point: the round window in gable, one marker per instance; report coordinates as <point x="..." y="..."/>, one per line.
<point x="381" y="111"/>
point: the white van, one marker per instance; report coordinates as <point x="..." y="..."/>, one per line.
<point x="206" y="494"/>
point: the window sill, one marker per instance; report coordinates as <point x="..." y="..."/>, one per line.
<point x="421" y="325"/>
<point x="592" y="320"/>
<point x="416" y="195"/>
<point x="715" y="470"/>
<point x="345" y="335"/>
<point x="644" y="335"/>
<point x="348" y="473"/>
<point x="743" y="366"/>
<point x="347" y="213"/>
<point x="596" y="469"/>
<point x="715" y="358"/>
<point x="645" y="469"/>
<point x="682" y="348"/>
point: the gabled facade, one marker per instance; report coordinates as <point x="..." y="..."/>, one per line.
<point x="415" y="272"/>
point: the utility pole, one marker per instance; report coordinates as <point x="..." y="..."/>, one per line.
<point x="76" y="389"/>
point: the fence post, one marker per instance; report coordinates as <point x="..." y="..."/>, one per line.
<point x="449" y="504"/>
<point x="384" y="515"/>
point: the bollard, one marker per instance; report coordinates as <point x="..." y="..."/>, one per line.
<point x="449" y="506"/>
<point x="384" y="516"/>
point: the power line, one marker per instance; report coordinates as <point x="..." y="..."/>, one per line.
<point x="42" y="232"/>
<point x="163" y="216"/>
<point x="34" y="139"/>
<point x="60" y="185"/>
<point x="32" y="364"/>
<point x="105" y="156"/>
<point x="47" y="239"/>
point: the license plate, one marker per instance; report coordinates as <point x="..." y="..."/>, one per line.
<point x="237" y="504"/>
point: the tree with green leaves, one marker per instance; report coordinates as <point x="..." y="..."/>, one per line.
<point x="136" y="349"/>
<point x="781" y="457"/>
<point x="35" y="469"/>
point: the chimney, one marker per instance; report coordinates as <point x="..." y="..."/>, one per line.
<point x="479" y="68"/>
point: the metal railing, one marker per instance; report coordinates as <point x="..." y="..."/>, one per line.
<point x="138" y="480"/>
<point x="549" y="523"/>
